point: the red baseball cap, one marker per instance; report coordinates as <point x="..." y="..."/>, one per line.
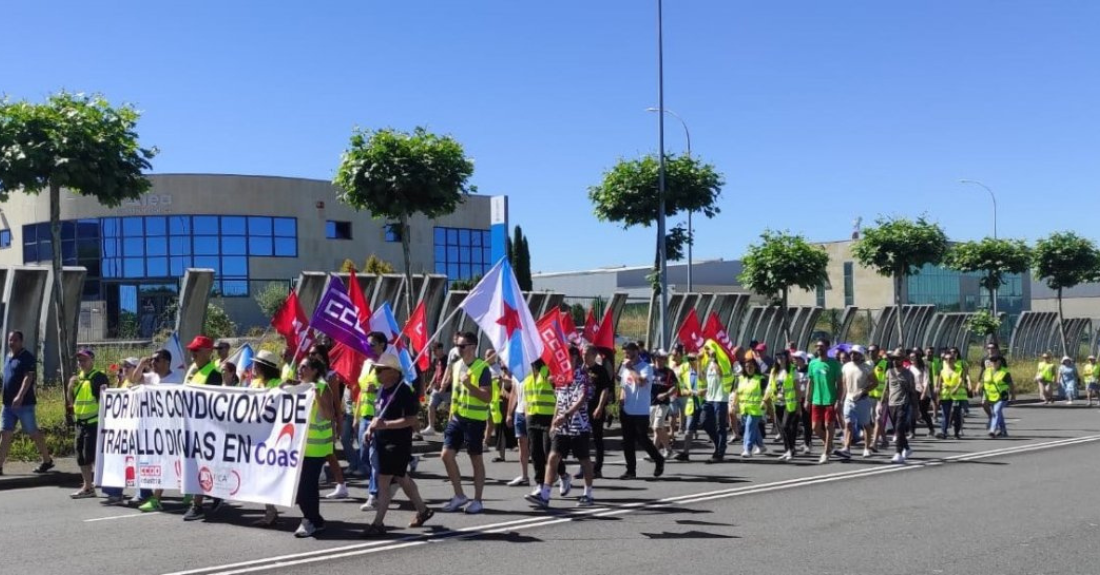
<point x="201" y="342"/>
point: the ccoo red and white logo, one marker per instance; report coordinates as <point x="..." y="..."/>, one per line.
<point x="206" y="479"/>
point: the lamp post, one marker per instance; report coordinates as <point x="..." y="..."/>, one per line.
<point x="994" y="198"/>
<point x="661" y="255"/>
<point x="691" y="232"/>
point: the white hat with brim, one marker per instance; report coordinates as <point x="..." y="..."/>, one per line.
<point x="267" y="358"/>
<point x="386" y="360"/>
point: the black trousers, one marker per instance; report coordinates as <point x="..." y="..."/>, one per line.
<point x="807" y="427"/>
<point x="926" y="415"/>
<point x="900" y="415"/>
<point x="309" y="496"/>
<point x="597" y="439"/>
<point x="538" y="441"/>
<point x="635" y="433"/>
<point x="789" y="431"/>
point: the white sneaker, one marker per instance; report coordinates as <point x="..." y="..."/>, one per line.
<point x="341" y="492"/>
<point x="305" y="529"/>
<point x="824" y="458"/>
<point x="746" y="454"/>
<point x="566" y="485"/>
<point x="866" y="452"/>
<point x="905" y="454"/>
<point x="787" y="456"/>
<point x="369" y="505"/>
<point x="805" y="449"/>
<point x="897" y="458"/>
<point x="474" y="508"/>
<point x="521" y="480"/>
<point x="456" y="503"/>
<point x="427" y="432"/>
<point x="537" y="492"/>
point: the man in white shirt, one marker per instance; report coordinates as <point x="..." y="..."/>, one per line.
<point x="859" y="379"/>
<point x="156" y="368"/>
<point x="635" y="377"/>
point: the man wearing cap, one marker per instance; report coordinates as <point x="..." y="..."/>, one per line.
<point x="83" y="405"/>
<point x="203" y="371"/>
<point x="222" y="349"/>
<point x="636" y="376"/>
<point x="901" y="399"/>
<point x="663" y="392"/>
<point x="19" y="401"/>
<point x="859" y="383"/>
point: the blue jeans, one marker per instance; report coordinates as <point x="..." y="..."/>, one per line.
<point x="951" y="414"/>
<point x="716" y="422"/>
<point x="750" y="424"/>
<point x="368" y="453"/>
<point x="347" y="442"/>
<point x="1069" y="391"/>
<point x="997" y="417"/>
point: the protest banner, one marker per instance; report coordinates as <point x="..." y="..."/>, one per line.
<point x="233" y="443"/>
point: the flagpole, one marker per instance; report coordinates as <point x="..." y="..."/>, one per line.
<point x="442" y="324"/>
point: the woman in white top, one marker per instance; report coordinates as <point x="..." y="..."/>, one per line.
<point x="516" y="418"/>
<point x="922" y="374"/>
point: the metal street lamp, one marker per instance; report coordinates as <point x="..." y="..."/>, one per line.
<point x="691" y="233"/>
<point x="662" y="263"/>
<point x="994" y="198"/>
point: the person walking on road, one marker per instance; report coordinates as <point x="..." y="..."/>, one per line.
<point x="1044" y="378"/>
<point x="266" y="375"/>
<point x="663" y="393"/>
<point x="860" y="383"/>
<point x="715" y="387"/>
<point x="901" y="399"/>
<point x="635" y="377"/>
<point x="572" y="432"/>
<point x="999" y="390"/>
<point x="1068" y="379"/>
<point x="20" y="372"/>
<point x="748" y="403"/>
<point x="391" y="431"/>
<point x="319" y="446"/>
<point x="602" y="391"/>
<point x="783" y="393"/>
<point x="952" y="391"/>
<point x="922" y="378"/>
<point x="83" y="405"/>
<point x="471" y="392"/>
<point x="203" y="371"/>
<point x="1091" y="376"/>
<point x="824" y="396"/>
<point x="516" y="419"/>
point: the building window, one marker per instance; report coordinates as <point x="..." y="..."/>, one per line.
<point x="462" y="253"/>
<point x="393" y="233"/>
<point x="338" y="230"/>
<point x="821" y="295"/>
<point x="5" y="239"/>
<point x="163" y="247"/>
<point x="849" y="285"/>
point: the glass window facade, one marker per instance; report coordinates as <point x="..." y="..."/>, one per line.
<point x="952" y="291"/>
<point x="161" y="248"/>
<point x="462" y="253"/>
<point x="821" y="296"/>
<point x="393" y="233"/>
<point x="5" y="239"/>
<point x="849" y="284"/>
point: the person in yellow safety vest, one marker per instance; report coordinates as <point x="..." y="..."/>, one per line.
<point x="692" y="389"/>
<point x="677" y="420"/>
<point x="540" y="398"/>
<point x="203" y="371"/>
<point x="1044" y="376"/>
<point x="748" y="402"/>
<point x="783" y="393"/>
<point x="319" y="446"/>
<point x="876" y="358"/>
<point x="364" y="415"/>
<point x="1090" y="374"/>
<point x="999" y="390"/>
<point x="715" y="387"/>
<point x="83" y="405"/>
<point x="951" y="387"/>
<point x="472" y="391"/>
<point x="266" y="375"/>
<point x="496" y="415"/>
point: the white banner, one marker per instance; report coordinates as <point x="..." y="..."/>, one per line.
<point x="233" y="443"/>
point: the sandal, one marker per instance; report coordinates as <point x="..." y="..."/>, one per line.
<point x="422" y="518"/>
<point x="373" y="530"/>
<point x="266" y="521"/>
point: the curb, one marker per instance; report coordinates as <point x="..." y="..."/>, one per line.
<point x="44" y="480"/>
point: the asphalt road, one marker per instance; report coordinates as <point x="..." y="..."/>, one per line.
<point x="1017" y="505"/>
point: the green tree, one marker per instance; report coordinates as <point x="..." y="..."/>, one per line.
<point x="521" y="260"/>
<point x="272" y="297"/>
<point x="782" y="261"/>
<point x="629" y="195"/>
<point x="984" y="324"/>
<point x="396" y="174"/>
<point x="898" y="248"/>
<point x="1063" y="260"/>
<point x="77" y="142"/>
<point x="993" y="259"/>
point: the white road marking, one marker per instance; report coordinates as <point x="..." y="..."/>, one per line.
<point x="418" y="540"/>
<point x="127" y="516"/>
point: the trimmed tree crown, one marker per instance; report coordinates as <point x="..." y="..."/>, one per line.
<point x="782" y="261"/>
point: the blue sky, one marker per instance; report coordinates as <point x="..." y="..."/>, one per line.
<point x="815" y="112"/>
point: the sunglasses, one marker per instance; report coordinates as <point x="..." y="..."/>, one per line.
<point x="464" y="345"/>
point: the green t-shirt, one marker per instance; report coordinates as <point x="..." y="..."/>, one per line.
<point x="824" y="374"/>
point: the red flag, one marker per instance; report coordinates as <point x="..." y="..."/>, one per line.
<point x="290" y="321"/>
<point x="691" y="333"/>
<point x="554" y="349"/>
<point x="714" y="330"/>
<point x="356" y="295"/>
<point x="417" y="331"/>
<point x="605" y="335"/>
<point x="590" y="327"/>
<point x="565" y="319"/>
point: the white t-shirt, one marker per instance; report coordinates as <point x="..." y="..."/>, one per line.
<point x="521" y="397"/>
<point x="152" y="377"/>
<point x="921" y="377"/>
<point x="716" y="392"/>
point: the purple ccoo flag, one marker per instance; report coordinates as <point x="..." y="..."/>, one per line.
<point x="338" y="317"/>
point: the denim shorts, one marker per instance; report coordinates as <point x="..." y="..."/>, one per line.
<point x="438" y="398"/>
<point x="23" y="414"/>
<point x="858" y="412"/>
<point x="464" y="432"/>
<point x="520" y="420"/>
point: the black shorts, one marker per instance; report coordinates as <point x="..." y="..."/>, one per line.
<point x="86" y="436"/>
<point x="394" y="458"/>
<point x="461" y="431"/>
<point x="575" y="444"/>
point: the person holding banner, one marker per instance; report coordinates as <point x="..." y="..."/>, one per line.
<point x="152" y="370"/>
<point x="203" y="371"/>
<point x="471" y="393"/>
<point x="83" y="405"/>
<point x="266" y="375"/>
<point x="319" y="446"/>
<point x="391" y="431"/>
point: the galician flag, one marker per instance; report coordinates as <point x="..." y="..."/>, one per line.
<point x="497" y="306"/>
